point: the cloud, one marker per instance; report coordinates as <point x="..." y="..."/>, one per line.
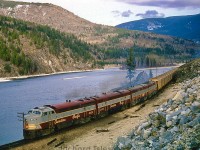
<point x="151" y="14"/>
<point x="126" y="13"/>
<point x="165" y="3"/>
<point x="118" y="13"/>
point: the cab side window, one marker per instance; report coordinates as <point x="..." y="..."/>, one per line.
<point x="44" y="113"/>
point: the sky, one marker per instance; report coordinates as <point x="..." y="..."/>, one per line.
<point x="113" y="12"/>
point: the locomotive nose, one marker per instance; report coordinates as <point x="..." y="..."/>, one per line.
<point x="32" y="127"/>
<point x="31" y="124"/>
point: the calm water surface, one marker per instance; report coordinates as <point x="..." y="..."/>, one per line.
<point x="22" y="95"/>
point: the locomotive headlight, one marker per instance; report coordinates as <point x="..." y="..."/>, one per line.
<point x="32" y="126"/>
<point x="32" y="119"/>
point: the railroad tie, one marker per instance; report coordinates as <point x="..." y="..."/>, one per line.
<point x="51" y="141"/>
<point x="102" y="130"/>
<point x="59" y="144"/>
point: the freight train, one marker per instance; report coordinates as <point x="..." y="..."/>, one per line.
<point x="45" y="120"/>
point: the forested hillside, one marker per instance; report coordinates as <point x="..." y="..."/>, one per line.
<point x="26" y="48"/>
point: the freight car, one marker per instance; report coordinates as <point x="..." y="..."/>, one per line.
<point x="163" y="79"/>
<point x="44" y="120"/>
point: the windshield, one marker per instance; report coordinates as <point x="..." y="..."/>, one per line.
<point x="34" y="112"/>
<point x="30" y="112"/>
<point x="37" y="112"/>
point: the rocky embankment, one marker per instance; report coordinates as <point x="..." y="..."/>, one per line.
<point x="173" y="125"/>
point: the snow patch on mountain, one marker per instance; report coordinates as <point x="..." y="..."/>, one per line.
<point x="153" y="26"/>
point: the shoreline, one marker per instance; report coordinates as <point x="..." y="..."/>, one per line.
<point x="153" y="68"/>
<point x="7" y="79"/>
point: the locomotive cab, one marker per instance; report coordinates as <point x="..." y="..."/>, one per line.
<point x="32" y="119"/>
<point x="35" y="121"/>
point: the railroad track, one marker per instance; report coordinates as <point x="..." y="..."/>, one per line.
<point x="23" y="141"/>
<point x="13" y="144"/>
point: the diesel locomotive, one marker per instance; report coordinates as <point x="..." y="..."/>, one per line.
<point x="47" y="119"/>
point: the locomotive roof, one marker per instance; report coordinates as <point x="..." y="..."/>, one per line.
<point x="69" y="105"/>
<point x="42" y="109"/>
<point x="72" y="104"/>
<point x="65" y="105"/>
<point x="137" y="87"/>
<point x="124" y="91"/>
<point x="106" y="96"/>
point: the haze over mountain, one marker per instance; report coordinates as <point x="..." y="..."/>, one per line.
<point x="44" y="38"/>
<point x="186" y="27"/>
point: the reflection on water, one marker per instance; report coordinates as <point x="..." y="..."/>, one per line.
<point x="22" y="95"/>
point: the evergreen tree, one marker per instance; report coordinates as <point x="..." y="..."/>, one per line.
<point x="130" y="66"/>
<point x="147" y="61"/>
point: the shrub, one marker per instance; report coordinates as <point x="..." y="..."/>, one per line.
<point x="7" y="68"/>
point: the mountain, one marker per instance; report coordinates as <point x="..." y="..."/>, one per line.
<point x="56" y="17"/>
<point x="43" y="38"/>
<point x="186" y="27"/>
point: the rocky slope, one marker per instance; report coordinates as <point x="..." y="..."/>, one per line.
<point x="180" y="26"/>
<point x="173" y="125"/>
<point x="188" y="71"/>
